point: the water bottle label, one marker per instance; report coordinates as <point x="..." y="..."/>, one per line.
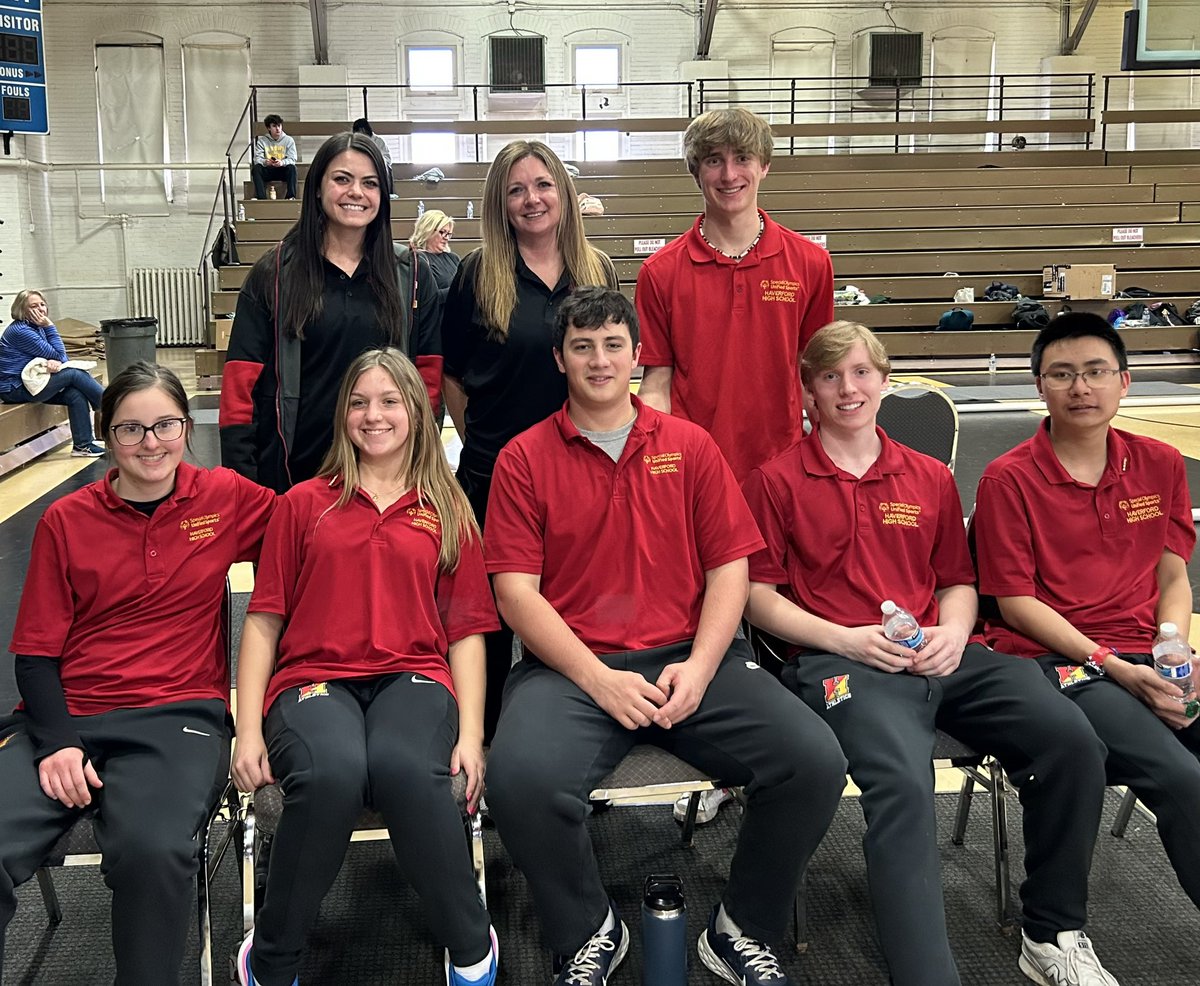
<point x="1175" y="672"/>
<point x="915" y="642"/>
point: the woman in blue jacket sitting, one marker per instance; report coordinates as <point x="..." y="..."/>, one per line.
<point x="30" y="336"/>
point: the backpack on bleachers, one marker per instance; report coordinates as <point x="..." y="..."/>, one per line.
<point x="999" y="291"/>
<point x="956" y="320"/>
<point x="1030" y="315"/>
<point x="1192" y="315"/>
<point x="1165" y="313"/>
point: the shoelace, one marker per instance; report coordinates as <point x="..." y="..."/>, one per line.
<point x="586" y="960"/>
<point x="1082" y="958"/>
<point x="759" y="959"/>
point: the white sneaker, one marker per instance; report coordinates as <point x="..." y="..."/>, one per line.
<point x="1072" y="962"/>
<point x="710" y="804"/>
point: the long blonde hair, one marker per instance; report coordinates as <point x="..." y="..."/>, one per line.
<point x="495" y="285"/>
<point x="425" y="466"/>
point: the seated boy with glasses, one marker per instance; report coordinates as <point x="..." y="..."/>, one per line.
<point x="1083" y="534"/>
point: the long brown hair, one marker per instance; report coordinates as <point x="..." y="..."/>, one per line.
<point x="495" y="286"/>
<point x="424" y="466"/>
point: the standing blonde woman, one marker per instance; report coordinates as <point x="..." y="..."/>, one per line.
<point x="498" y="325"/>
<point x="360" y="677"/>
<point x="432" y="235"/>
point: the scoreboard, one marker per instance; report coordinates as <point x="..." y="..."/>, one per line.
<point x="22" y="68"/>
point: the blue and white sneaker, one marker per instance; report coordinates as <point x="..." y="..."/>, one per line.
<point x="89" y="451"/>
<point x="245" y="976"/>
<point x="598" y="959"/>
<point x="742" y="961"/>
<point x="456" y="978"/>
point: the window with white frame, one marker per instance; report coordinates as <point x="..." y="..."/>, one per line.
<point x="430" y="68"/>
<point x="433" y="148"/>
<point x="597" y="66"/>
<point x="598" y="145"/>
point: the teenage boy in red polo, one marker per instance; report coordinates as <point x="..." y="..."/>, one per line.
<point x="1111" y="517"/>
<point x="728" y="307"/>
<point x="852" y="519"/>
<point x="618" y="540"/>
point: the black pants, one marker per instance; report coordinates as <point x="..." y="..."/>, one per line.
<point x="499" y="644"/>
<point x="995" y="704"/>
<point x="163" y="769"/>
<point x="260" y="174"/>
<point x="1161" y="765"/>
<point x="554" y="744"/>
<point x="381" y="741"/>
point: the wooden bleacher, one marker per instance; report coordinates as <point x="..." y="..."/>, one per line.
<point x="894" y="225"/>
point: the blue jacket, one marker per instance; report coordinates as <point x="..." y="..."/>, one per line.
<point x="22" y="342"/>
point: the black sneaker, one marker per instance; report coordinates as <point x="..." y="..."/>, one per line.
<point x="597" y="960"/>
<point x="743" y="961"/>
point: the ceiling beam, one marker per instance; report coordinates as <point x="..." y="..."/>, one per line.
<point x="320" y="29"/>
<point x="708" y="17"/>
<point x="1072" y="43"/>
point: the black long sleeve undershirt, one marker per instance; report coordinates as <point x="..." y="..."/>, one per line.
<point x="51" y="726"/>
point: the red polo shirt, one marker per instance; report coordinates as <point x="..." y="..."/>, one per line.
<point x="621" y="547"/>
<point x="130" y="604"/>
<point x="838" y="546"/>
<point x="361" y="593"/>
<point x="733" y="331"/>
<point x="1088" y="552"/>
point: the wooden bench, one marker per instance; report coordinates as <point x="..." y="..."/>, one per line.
<point x="29" y="430"/>
<point x="1015" y="342"/>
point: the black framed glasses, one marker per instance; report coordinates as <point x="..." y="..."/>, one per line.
<point x="165" y="430"/>
<point x="1095" y="376"/>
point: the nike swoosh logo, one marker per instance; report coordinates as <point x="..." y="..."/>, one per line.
<point x="418" y="680"/>
<point x="195" y="732"/>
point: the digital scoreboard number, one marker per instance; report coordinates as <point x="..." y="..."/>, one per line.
<point x="22" y="69"/>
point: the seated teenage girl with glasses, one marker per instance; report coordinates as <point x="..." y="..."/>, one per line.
<point x="122" y="667"/>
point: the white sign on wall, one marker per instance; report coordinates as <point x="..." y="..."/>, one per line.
<point x="651" y="245"/>
<point x="818" y="239"/>
<point x="1127" y="234"/>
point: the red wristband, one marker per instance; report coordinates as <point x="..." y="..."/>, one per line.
<point x="1098" y="657"/>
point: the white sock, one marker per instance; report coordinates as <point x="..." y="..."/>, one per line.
<point x="479" y="969"/>
<point x="610" y="922"/>
<point x="725" y="925"/>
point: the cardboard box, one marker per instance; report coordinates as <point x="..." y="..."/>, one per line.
<point x="1080" y="281"/>
<point x="224" y="326"/>
<point x="209" y="362"/>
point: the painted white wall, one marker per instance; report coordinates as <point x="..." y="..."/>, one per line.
<point x="57" y="237"/>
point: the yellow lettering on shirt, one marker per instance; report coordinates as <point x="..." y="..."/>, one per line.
<point x="425" y="519"/>
<point x="200" y="528"/>
<point x="663" y="463"/>
<point x="901" y="514"/>
<point x="1140" y="508"/>
<point x="779" y="290"/>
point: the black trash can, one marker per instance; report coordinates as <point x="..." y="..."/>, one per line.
<point x="127" y="340"/>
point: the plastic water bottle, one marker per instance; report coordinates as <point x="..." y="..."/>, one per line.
<point x="271" y="193"/>
<point x="470" y="210"/>
<point x="664" y="932"/>
<point x="992" y="366"/>
<point x="900" y="626"/>
<point x="241" y="212"/>
<point x="420" y="208"/>
<point x="1173" y="660"/>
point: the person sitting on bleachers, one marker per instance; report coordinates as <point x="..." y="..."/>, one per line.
<point x="32" y="336"/>
<point x="852" y="519"/>
<point x="618" y="542"/>
<point x="123" y="669"/>
<point x="275" y="158"/>
<point x="1083" y="534"/>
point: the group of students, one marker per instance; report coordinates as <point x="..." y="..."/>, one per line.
<point x="625" y="538"/>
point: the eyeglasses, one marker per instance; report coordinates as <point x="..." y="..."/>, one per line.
<point x="166" y="430"/>
<point x="1096" y="376"/>
<point x="446" y="233"/>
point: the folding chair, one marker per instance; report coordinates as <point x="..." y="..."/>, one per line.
<point x="260" y="814"/>
<point x="923" y="418"/>
<point x="78" y="846"/>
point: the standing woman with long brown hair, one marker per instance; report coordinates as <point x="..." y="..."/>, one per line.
<point x="498" y="325"/>
<point x="336" y="286"/>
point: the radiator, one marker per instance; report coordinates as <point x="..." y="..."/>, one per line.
<point x="175" y="296"/>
